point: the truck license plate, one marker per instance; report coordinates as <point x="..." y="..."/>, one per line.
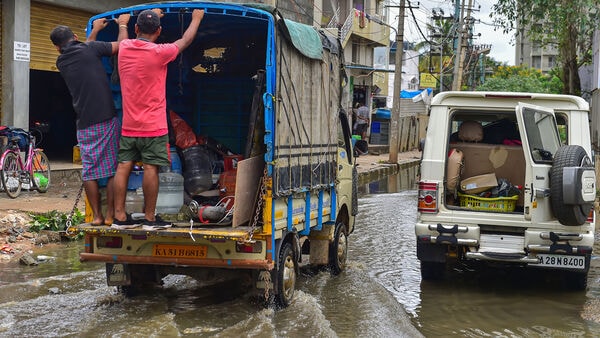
<point x="561" y="261"/>
<point x="179" y="251"/>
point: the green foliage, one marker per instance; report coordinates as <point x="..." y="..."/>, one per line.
<point x="521" y="79"/>
<point x="54" y="220"/>
<point x="566" y="24"/>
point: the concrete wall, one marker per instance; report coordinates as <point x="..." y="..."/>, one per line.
<point x="15" y="74"/>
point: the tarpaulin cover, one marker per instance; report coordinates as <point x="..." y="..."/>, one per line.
<point x="304" y="38"/>
<point x="409" y="94"/>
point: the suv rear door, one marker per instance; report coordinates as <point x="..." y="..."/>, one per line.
<point x="539" y="134"/>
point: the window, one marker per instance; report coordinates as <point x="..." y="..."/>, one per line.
<point x="551" y="61"/>
<point x="355" y="53"/>
<point x="563" y="128"/>
<point x="542" y="135"/>
<point x="536" y="62"/>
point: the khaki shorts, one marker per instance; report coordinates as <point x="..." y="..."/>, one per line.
<point x="149" y="150"/>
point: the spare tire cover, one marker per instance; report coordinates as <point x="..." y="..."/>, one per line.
<point x="568" y="214"/>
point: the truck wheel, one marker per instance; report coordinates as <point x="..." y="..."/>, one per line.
<point x="338" y="250"/>
<point x="568" y="156"/>
<point x="432" y="270"/>
<point x="286" y="275"/>
<point x="576" y="281"/>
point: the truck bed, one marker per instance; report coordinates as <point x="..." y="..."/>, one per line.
<point x="179" y="229"/>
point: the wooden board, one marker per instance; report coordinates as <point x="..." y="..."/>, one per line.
<point x="247" y="183"/>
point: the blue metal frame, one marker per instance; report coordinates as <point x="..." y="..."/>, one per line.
<point x="210" y="8"/>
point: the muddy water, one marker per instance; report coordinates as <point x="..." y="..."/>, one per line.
<point x="379" y="295"/>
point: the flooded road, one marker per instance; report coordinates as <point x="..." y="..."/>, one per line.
<point x="379" y="295"/>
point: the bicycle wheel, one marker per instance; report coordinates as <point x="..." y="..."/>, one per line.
<point x="10" y="175"/>
<point x="41" y="171"/>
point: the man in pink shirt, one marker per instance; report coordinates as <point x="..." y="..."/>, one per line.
<point x="144" y="135"/>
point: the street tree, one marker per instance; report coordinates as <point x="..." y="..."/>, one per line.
<point x="522" y="79"/>
<point x="567" y="23"/>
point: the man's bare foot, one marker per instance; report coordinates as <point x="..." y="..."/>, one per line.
<point x="98" y="221"/>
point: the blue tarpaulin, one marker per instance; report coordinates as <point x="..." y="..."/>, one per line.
<point x="418" y="95"/>
<point x="409" y="94"/>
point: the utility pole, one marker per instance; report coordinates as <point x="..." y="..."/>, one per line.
<point x="395" y="118"/>
<point x="438" y="17"/>
<point x="460" y="53"/>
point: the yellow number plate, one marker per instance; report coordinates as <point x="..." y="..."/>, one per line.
<point x="179" y="251"/>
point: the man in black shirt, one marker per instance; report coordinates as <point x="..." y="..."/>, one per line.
<point x="98" y="127"/>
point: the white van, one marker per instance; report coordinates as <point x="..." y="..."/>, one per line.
<point x="507" y="178"/>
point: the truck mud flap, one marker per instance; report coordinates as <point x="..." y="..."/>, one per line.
<point x="117" y="274"/>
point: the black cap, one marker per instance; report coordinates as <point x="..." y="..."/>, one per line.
<point x="148" y="22"/>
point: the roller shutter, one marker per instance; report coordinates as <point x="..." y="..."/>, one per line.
<point x="43" y="19"/>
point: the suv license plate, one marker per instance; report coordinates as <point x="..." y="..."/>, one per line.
<point x="561" y="261"/>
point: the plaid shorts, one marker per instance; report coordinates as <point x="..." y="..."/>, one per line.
<point x="99" y="145"/>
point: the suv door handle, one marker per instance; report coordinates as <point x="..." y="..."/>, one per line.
<point x="542" y="193"/>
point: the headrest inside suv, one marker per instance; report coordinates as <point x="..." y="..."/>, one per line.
<point x="470" y="131"/>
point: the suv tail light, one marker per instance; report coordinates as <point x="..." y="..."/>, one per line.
<point x="427" y="201"/>
<point x="590" y="218"/>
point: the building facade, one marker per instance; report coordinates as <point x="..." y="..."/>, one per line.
<point x="534" y="54"/>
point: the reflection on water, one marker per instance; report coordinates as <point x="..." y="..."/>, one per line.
<point x="405" y="179"/>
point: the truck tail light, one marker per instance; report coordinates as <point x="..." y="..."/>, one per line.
<point x="113" y="242"/>
<point x="427" y="201"/>
<point x="248" y="247"/>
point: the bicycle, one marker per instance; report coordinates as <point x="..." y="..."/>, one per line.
<point x="35" y="171"/>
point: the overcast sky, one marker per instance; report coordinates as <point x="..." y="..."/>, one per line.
<point x="502" y="49"/>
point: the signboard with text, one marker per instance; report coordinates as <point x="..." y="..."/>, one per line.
<point x="427" y="81"/>
<point x="22" y="51"/>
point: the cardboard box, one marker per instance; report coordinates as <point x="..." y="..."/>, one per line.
<point x="480" y="183"/>
<point x="505" y="161"/>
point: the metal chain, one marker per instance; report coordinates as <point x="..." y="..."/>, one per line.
<point x="72" y="231"/>
<point x="263" y="189"/>
<point x="265" y="276"/>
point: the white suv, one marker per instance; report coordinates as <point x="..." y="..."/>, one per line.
<point x="507" y="178"/>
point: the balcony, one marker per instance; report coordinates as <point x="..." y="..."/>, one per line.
<point x="365" y="26"/>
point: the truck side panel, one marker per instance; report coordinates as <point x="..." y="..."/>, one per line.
<point x="306" y="123"/>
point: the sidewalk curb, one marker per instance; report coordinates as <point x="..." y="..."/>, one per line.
<point x="382" y="170"/>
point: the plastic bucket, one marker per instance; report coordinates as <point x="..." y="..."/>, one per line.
<point x="170" y="193"/>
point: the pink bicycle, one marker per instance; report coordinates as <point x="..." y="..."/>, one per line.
<point x="33" y="172"/>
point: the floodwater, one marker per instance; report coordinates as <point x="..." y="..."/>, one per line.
<point x="380" y="294"/>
